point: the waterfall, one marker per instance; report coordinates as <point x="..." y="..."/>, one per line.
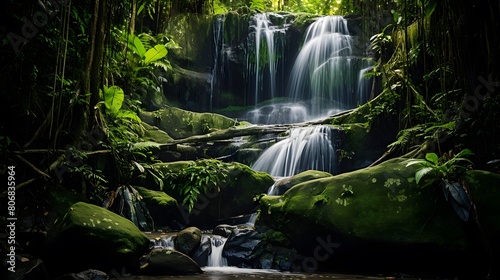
<point x="306" y="148"/>
<point x="326" y="72"/>
<point x="162" y="242"/>
<point x="219" y="57"/>
<point x="266" y="43"/>
<point x="278" y="114"/>
<point x="364" y="85"/>
<point x="217" y="246"/>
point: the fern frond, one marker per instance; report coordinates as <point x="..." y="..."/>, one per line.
<point x="406" y="136"/>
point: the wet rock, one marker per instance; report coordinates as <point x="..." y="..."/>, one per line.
<point x="284" y="258"/>
<point x="90" y="274"/>
<point x="169" y="262"/>
<point x="266" y="261"/>
<point x="187" y="240"/>
<point x="223" y="230"/>
<point x="243" y="246"/>
<point x="201" y="253"/>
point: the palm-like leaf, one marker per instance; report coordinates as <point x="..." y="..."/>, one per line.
<point x="422" y="172"/>
<point x="155" y="53"/>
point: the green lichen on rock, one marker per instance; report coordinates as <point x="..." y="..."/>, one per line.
<point x="96" y="237"/>
<point x="180" y="123"/>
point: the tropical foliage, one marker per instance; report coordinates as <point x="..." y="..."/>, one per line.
<point x="73" y="81"/>
<point x="448" y="172"/>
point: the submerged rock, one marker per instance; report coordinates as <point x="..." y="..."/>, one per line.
<point x="90" y="236"/>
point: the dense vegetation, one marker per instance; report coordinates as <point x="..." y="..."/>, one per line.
<point x="74" y="73"/>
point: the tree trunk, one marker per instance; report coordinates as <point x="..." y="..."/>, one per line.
<point x="91" y="80"/>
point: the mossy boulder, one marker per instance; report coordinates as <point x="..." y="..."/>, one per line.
<point x="187" y="240"/>
<point x="236" y="187"/>
<point x="378" y="219"/>
<point x="154" y="134"/>
<point x="89" y="236"/>
<point x="162" y="207"/>
<point x="180" y="123"/>
<point x="281" y="186"/>
<point x="60" y="199"/>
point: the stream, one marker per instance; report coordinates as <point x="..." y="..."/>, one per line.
<point x="221" y="273"/>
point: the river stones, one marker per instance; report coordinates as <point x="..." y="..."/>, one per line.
<point x="187" y="240"/>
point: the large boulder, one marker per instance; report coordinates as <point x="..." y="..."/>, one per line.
<point x="377" y="220"/>
<point x="89" y="236"/>
<point x="179" y="123"/>
<point x="237" y="186"/>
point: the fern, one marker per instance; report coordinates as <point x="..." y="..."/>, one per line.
<point x="190" y="182"/>
<point x="406" y="137"/>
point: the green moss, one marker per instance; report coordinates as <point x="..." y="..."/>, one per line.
<point x="101" y="238"/>
<point x="180" y="123"/>
<point x="158" y="198"/>
<point x="153" y="134"/>
<point x="377" y="203"/>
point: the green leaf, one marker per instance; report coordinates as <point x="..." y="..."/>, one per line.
<point x="155" y="53"/>
<point x="421" y="173"/>
<point x="432" y="157"/>
<point x="157" y="179"/>
<point x="465" y="152"/>
<point x="417" y="161"/>
<point x="113" y="98"/>
<point x="126" y="114"/>
<point x="137" y="45"/>
<point x="430" y="7"/>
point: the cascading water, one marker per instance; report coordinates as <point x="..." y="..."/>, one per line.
<point x="266" y="42"/>
<point x="326" y="72"/>
<point x="306" y="148"/>
<point x="219" y="57"/>
<point x="217" y="246"/>
<point x="167" y="243"/>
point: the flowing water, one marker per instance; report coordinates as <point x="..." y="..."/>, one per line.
<point x="306" y="148"/>
<point x="215" y="259"/>
<point x="223" y="273"/>
<point x="219" y="57"/>
<point x="326" y="73"/>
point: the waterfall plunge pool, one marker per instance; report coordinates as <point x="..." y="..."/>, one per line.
<point x="222" y="273"/>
